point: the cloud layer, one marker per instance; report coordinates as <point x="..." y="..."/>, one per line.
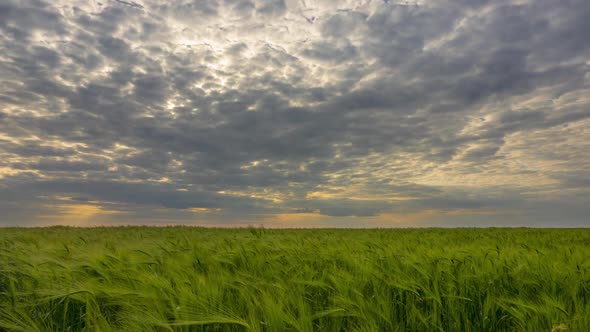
<point x="295" y="113"/>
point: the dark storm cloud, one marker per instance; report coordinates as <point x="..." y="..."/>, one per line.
<point x="264" y="107"/>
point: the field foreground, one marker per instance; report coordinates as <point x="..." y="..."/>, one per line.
<point x="195" y="279"/>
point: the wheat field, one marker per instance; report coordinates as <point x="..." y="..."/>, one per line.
<point x="255" y="279"/>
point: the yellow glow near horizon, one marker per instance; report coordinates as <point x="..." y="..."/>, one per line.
<point x="205" y="210"/>
<point x="264" y="194"/>
<point x="76" y="215"/>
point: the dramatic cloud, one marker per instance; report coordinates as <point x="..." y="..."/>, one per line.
<point x="295" y="113"/>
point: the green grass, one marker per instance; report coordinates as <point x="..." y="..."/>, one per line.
<point x="195" y="279"/>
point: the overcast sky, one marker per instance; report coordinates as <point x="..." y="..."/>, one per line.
<point x="295" y="113"/>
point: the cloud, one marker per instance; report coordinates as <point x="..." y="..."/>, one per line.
<point x="129" y="3"/>
<point x="221" y="112"/>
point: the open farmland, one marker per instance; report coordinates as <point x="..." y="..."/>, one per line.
<point x="196" y="279"/>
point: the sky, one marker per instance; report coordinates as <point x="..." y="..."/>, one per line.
<point x="295" y="113"/>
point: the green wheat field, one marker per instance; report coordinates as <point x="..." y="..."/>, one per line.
<point x="255" y="279"/>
